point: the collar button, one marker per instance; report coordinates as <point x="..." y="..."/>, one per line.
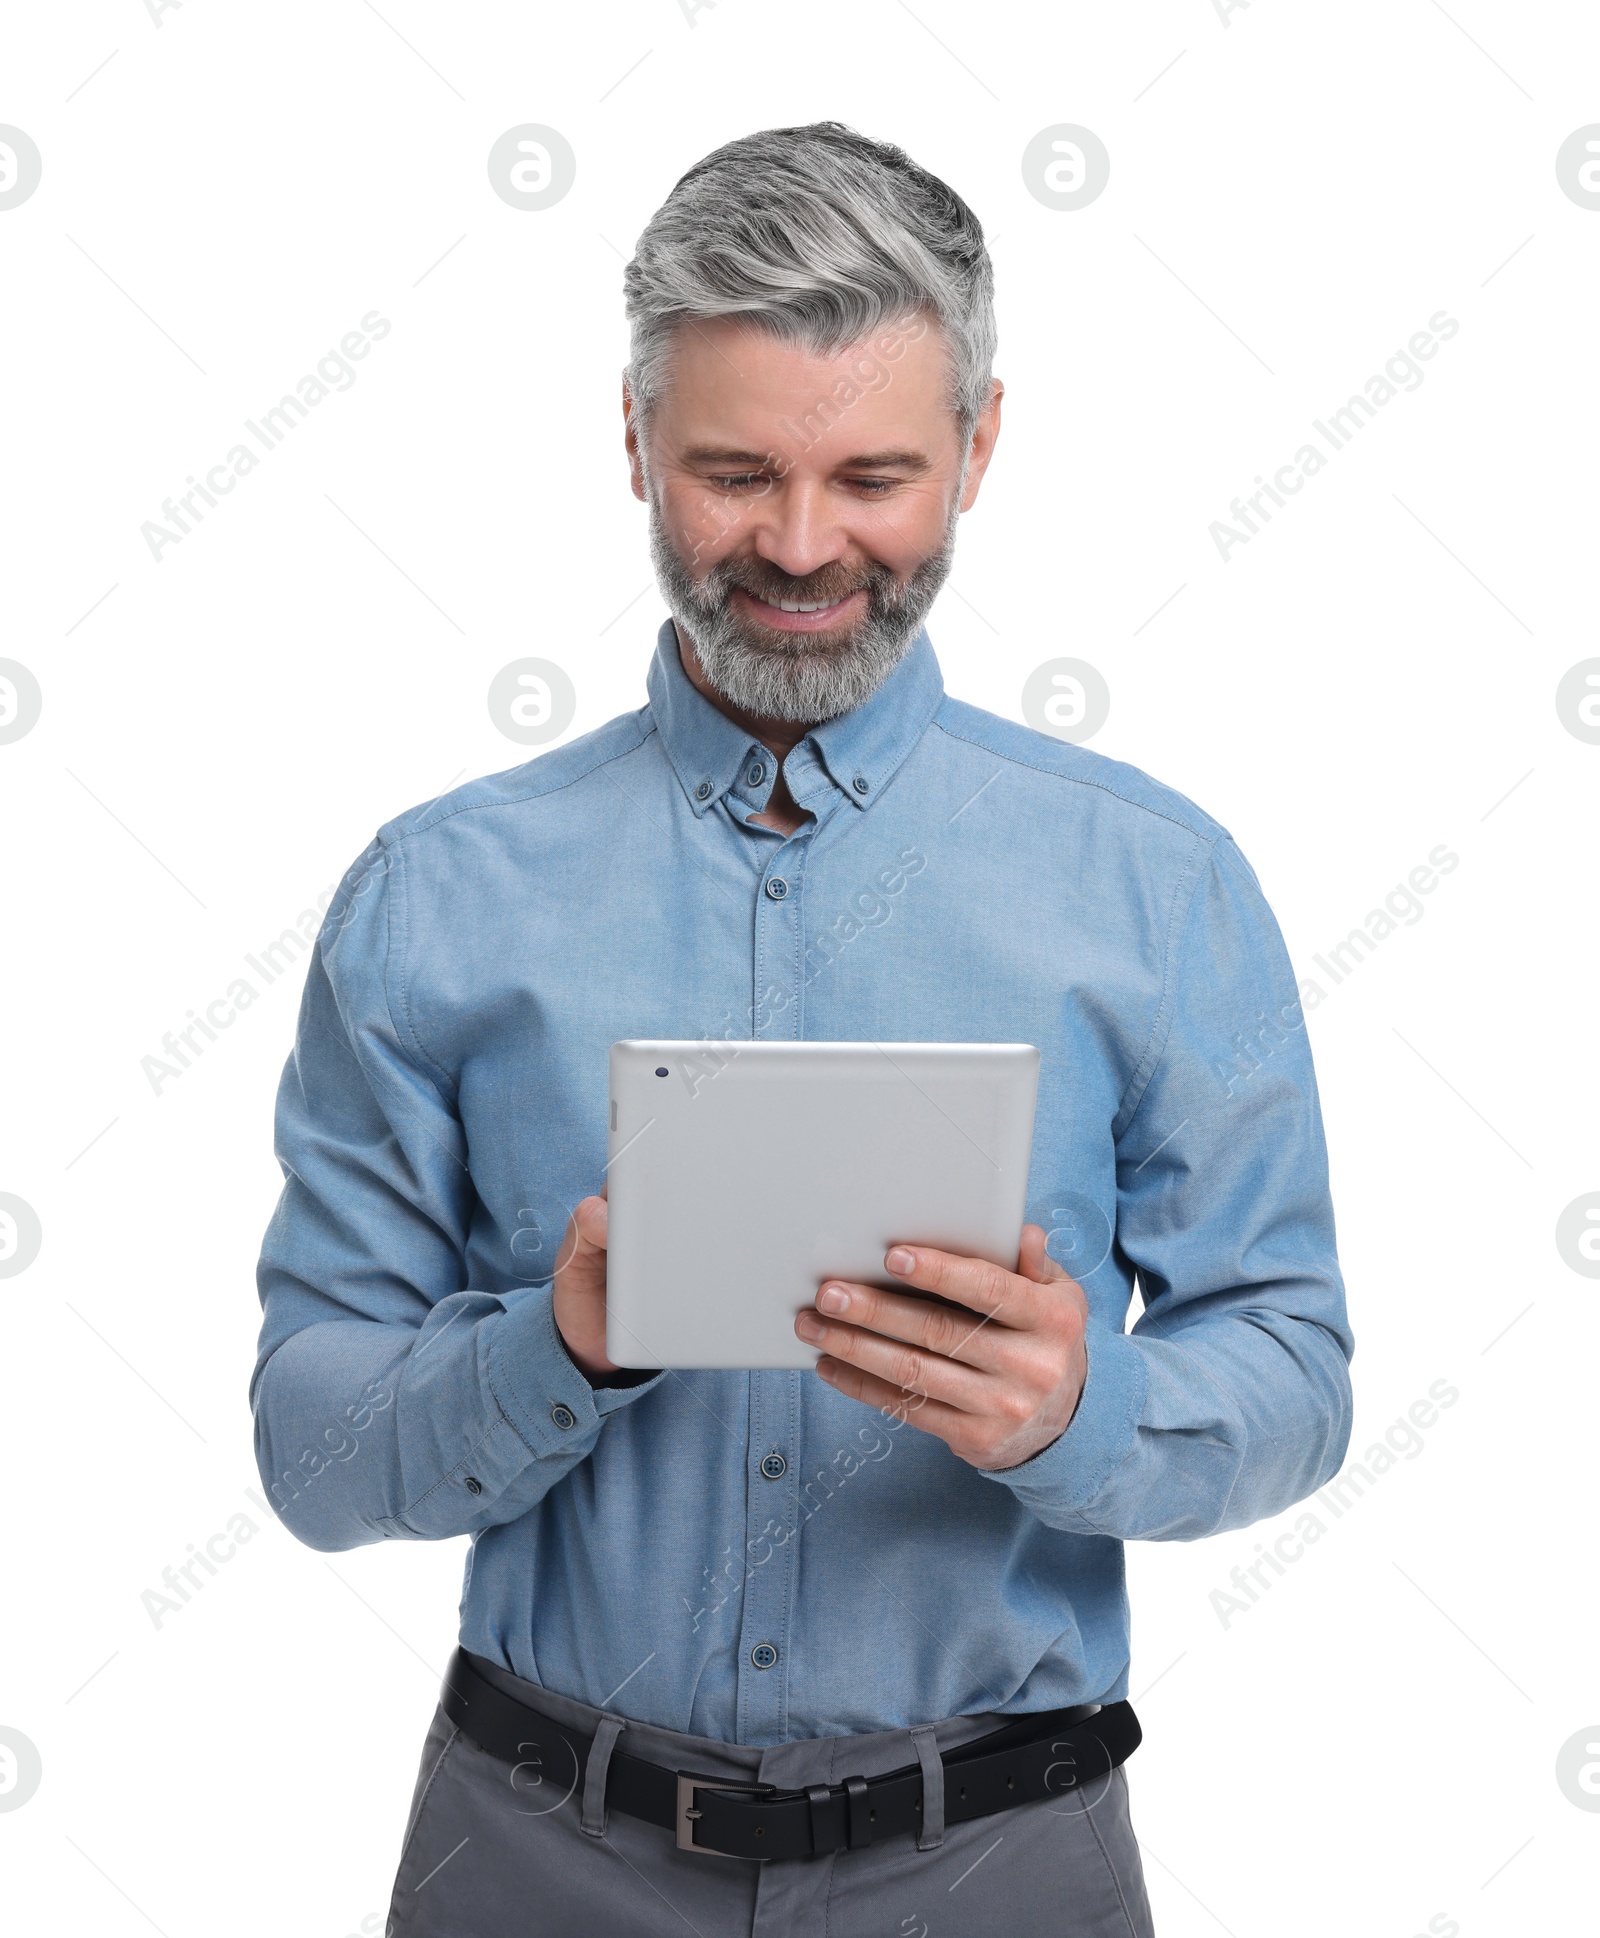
<point x="861" y="783"/>
<point x="703" y="791"/>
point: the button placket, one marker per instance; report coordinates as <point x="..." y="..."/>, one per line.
<point x="766" y="1618"/>
<point x="775" y="1011"/>
<point x="771" y="1504"/>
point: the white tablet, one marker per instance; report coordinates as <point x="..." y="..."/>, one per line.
<point x="741" y="1175"/>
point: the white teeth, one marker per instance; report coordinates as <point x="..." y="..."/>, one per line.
<point x="795" y="605"/>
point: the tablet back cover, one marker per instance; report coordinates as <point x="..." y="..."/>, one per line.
<point x="750" y="1172"/>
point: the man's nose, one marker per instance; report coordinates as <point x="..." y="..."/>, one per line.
<point x="800" y="532"/>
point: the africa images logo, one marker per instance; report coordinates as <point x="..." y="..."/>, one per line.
<point x="1403" y="371"/>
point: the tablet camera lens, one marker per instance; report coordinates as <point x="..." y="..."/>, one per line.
<point x="661" y="1072"/>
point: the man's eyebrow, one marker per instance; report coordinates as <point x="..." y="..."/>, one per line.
<point x="914" y="461"/>
<point x="725" y="457"/>
<point x="721" y="454"/>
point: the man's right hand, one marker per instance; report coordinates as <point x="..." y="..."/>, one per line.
<point x="580" y="1291"/>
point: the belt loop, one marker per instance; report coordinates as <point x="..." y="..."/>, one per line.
<point x="927" y="1748"/>
<point x="823" y="1840"/>
<point x="593" y="1819"/>
<point x="858" y="1813"/>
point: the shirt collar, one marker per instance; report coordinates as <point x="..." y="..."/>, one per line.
<point x="859" y="752"/>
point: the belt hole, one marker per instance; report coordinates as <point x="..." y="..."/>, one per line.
<point x="759" y="1831"/>
<point x="1011" y="1783"/>
<point x="872" y="1816"/>
<point x="963" y="1789"/>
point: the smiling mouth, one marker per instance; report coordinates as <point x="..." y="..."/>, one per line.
<point x="801" y="615"/>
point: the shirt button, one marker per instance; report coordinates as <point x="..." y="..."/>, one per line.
<point x="861" y="784"/>
<point x="474" y="1486"/>
<point x="563" y="1416"/>
<point x="774" y="1466"/>
<point x="777" y="888"/>
<point x="703" y="791"/>
<point x="757" y="774"/>
<point x="763" y="1655"/>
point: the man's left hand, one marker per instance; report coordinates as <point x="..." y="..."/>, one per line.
<point x="997" y="1381"/>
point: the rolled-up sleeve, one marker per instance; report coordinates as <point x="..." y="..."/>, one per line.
<point x="1229" y="1399"/>
<point x="390" y="1397"/>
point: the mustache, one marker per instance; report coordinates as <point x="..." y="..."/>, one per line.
<point x="816" y="588"/>
<point x="826" y="586"/>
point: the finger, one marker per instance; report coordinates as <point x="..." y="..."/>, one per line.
<point x="592" y="1217"/>
<point x="901" y="1366"/>
<point x="946" y="1423"/>
<point x="954" y="1332"/>
<point x="973" y="1282"/>
<point x="585" y="1235"/>
<point x="1034" y="1260"/>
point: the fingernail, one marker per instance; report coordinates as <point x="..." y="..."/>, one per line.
<point x="809" y="1326"/>
<point x="900" y="1260"/>
<point x="825" y="1370"/>
<point x="834" y="1299"/>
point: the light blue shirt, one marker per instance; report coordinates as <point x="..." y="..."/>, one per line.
<point x="752" y="1556"/>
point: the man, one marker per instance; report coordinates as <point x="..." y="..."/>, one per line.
<point x="887" y="1600"/>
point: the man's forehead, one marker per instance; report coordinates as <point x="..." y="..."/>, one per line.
<point x="879" y="399"/>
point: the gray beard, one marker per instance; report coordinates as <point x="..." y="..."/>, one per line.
<point x="809" y="677"/>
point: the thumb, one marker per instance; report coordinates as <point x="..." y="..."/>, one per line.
<point x="1034" y="1262"/>
<point x="591" y="1218"/>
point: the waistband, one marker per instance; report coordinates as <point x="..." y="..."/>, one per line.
<point x="714" y="1812"/>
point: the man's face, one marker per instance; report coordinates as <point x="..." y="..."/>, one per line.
<point x="803" y="507"/>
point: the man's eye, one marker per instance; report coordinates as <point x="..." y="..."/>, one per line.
<point x="740" y="481"/>
<point x="874" y="487"/>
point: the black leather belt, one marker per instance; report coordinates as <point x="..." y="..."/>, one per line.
<point x="1049" y="1754"/>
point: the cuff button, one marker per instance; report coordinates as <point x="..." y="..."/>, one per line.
<point x="563" y="1416"/>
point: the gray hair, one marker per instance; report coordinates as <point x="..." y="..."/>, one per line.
<point x="820" y="236"/>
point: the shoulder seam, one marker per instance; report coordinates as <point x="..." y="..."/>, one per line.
<point x="1078" y="780"/>
<point x="516" y="800"/>
<point x="435" y="1067"/>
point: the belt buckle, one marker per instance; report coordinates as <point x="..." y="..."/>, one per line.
<point x="687" y="1813"/>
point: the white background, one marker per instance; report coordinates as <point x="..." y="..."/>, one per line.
<point x="1373" y="1742"/>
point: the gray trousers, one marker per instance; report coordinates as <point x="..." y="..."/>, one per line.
<point x="492" y="1852"/>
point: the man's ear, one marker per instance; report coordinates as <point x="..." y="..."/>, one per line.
<point x="630" y="419"/>
<point x="984" y="434"/>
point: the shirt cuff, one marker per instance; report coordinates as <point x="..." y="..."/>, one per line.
<point x="1064" y="1477"/>
<point x="537" y="1386"/>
